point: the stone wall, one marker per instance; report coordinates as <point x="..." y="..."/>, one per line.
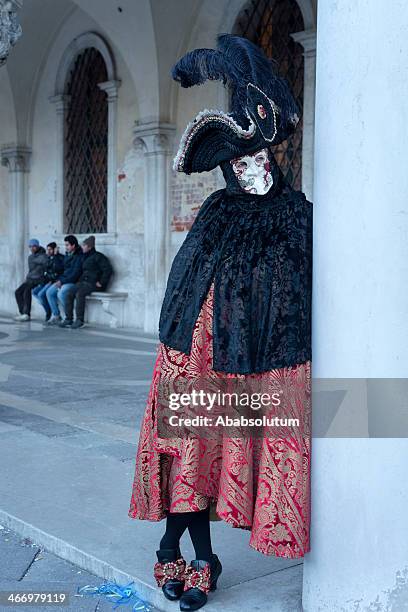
<point x="153" y="207"/>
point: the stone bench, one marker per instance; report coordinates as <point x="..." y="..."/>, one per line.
<point x="112" y="304"/>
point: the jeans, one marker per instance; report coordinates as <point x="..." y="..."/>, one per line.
<point x="78" y="294"/>
<point x="39" y="293"/>
<point x="54" y="294"/>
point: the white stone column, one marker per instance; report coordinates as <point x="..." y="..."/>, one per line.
<point x="16" y="158"/>
<point x="308" y="41"/>
<point x="359" y="536"/>
<point x="61" y="103"/>
<point x="155" y="142"/>
<point x="111" y="89"/>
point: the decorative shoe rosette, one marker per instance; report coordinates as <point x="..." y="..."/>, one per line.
<point x="197" y="578"/>
<point x="171" y="570"/>
<point x="263" y="110"/>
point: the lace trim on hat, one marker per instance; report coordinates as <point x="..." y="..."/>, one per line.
<point x="203" y="117"/>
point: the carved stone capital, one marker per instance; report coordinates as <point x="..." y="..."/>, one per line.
<point x="153" y="138"/>
<point x="307" y="39"/>
<point x="16" y="158"/>
<point x="111" y="88"/>
<point x="61" y="103"/>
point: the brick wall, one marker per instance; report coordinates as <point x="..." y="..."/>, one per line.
<point x="187" y="193"/>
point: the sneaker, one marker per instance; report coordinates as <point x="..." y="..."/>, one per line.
<point x="54" y="320"/>
<point x="66" y="323"/>
<point x="21" y="318"/>
<point x="77" y="324"/>
<point x="46" y="321"/>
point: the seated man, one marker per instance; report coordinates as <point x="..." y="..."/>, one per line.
<point x="96" y="273"/>
<point x="37" y="263"/>
<point x="55" y="267"/>
<point x="72" y="272"/>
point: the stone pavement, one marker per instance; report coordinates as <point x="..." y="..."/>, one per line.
<point x="71" y="403"/>
<point x="25" y="567"/>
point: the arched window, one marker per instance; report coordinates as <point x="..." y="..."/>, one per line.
<point x="86" y="145"/>
<point x="269" y="24"/>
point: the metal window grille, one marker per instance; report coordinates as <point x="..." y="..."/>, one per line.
<point x="269" y="23"/>
<point x="86" y="146"/>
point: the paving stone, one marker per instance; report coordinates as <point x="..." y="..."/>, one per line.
<point x="119" y="450"/>
<point x="36" y="423"/>
<point x="41" y="571"/>
<point x="17" y="555"/>
<point x="76" y="603"/>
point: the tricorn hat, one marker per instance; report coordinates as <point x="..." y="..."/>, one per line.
<point x="263" y="110"/>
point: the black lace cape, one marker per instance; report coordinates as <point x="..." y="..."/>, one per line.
<point x="258" y="252"/>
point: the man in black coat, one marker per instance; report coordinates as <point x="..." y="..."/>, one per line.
<point x="96" y="274"/>
<point x="55" y="267"/>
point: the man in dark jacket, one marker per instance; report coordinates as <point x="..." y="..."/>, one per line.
<point x="96" y="274"/>
<point x="65" y="281"/>
<point x="37" y="263"/>
<point x="55" y="267"/>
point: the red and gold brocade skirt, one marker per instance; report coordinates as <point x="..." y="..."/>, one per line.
<point x="261" y="484"/>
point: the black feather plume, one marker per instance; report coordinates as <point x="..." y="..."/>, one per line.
<point x="255" y="67"/>
<point x="198" y="66"/>
<point x="236" y="62"/>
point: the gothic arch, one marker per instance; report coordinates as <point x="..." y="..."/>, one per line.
<point x="306" y="37"/>
<point x="80" y="43"/>
<point x="270" y="24"/>
<point x="232" y="10"/>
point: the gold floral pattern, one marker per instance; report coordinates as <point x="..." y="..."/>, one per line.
<point x="261" y="484"/>
<point x="171" y="570"/>
<point x="198" y="579"/>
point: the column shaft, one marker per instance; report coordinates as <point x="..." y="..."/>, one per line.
<point x="155" y="142"/>
<point x="359" y="530"/>
<point x="16" y="158"/>
<point x="61" y="103"/>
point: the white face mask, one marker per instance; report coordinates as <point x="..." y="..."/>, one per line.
<point x="253" y="172"/>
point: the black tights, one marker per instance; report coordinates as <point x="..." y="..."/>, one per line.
<point x="198" y="525"/>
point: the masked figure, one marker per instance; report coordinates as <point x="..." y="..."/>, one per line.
<point x="236" y="316"/>
<point x="253" y="172"/>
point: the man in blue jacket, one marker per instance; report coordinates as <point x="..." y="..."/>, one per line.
<point x="65" y="282"/>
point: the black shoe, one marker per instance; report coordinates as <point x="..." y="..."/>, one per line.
<point x="77" y="324"/>
<point x="169" y="572"/>
<point x="201" y="577"/>
<point x="66" y="323"/>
